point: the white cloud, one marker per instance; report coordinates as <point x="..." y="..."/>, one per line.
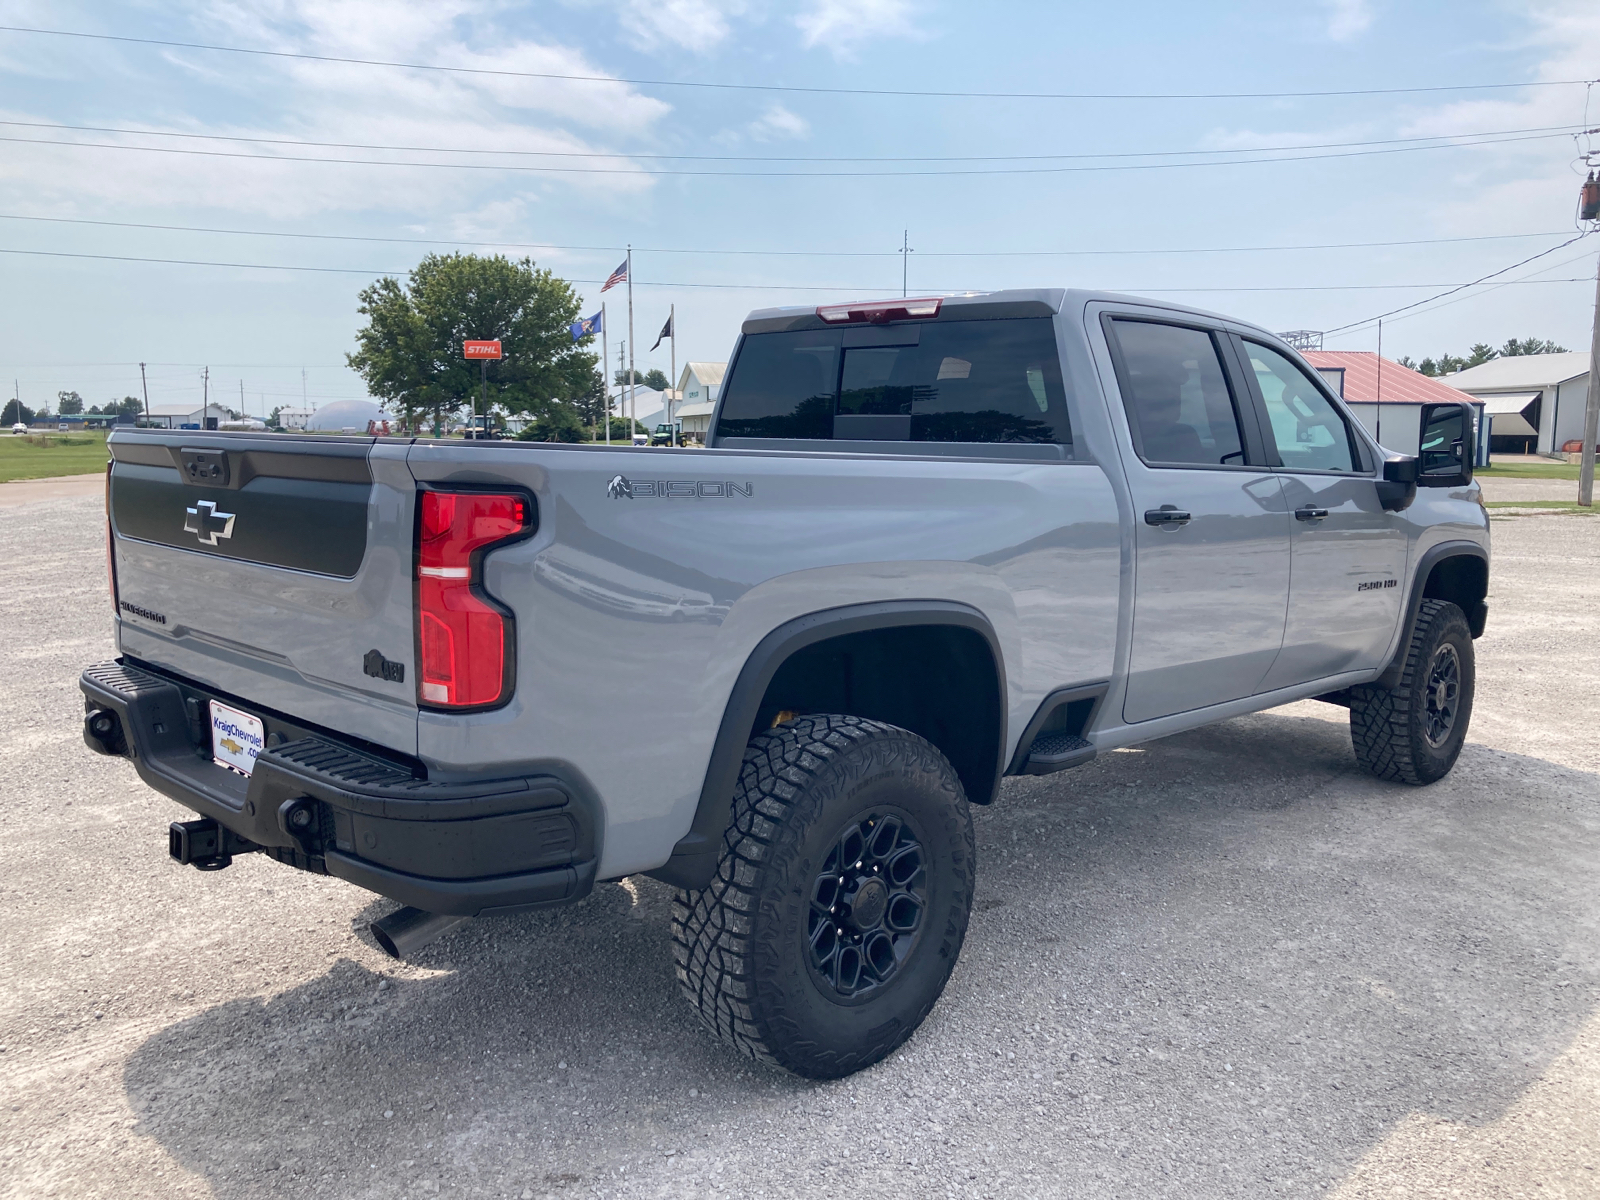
<point x="1527" y="184"/>
<point x="841" y="26"/>
<point x="695" y="25"/>
<point x="1347" y="18"/>
<point x="1249" y="139"/>
<point x="350" y="103"/>
<point x="778" y="124"/>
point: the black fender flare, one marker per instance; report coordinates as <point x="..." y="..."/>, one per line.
<point x="1431" y="558"/>
<point x="694" y="857"/>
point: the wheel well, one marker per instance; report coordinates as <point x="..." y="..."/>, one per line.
<point x="1462" y="579"/>
<point x="939" y="681"/>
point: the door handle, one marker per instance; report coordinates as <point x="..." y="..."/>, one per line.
<point x="1168" y="516"/>
<point x="1308" y="513"/>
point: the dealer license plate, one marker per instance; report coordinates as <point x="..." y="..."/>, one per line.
<point x="236" y="738"/>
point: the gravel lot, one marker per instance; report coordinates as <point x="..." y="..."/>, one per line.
<point x="1224" y="964"/>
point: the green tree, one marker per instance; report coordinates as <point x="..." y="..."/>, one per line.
<point x="560" y="424"/>
<point x="657" y="378"/>
<point x="1516" y="349"/>
<point x="620" y="377"/>
<point x="410" y="351"/>
<point x="69" y="404"/>
<point x="16" y="411"/>
<point x="590" y="404"/>
<point x="1480" y="353"/>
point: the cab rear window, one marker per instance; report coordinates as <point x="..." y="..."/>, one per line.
<point x="949" y="381"/>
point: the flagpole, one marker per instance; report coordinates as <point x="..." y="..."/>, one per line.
<point x="633" y="409"/>
<point x="605" y="384"/>
<point x="672" y="320"/>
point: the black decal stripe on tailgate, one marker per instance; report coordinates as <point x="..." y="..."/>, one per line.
<point x="316" y="525"/>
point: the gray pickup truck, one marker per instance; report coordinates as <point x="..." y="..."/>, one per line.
<point x="929" y="543"/>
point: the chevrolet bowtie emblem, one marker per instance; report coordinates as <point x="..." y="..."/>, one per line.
<point x="206" y="523"/>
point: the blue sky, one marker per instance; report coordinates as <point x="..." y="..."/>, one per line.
<point x="84" y="323"/>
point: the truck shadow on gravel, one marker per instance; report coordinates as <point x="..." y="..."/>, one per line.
<point x="1220" y="964"/>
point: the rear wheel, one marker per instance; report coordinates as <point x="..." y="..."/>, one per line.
<point x="1414" y="732"/>
<point x="840" y="901"/>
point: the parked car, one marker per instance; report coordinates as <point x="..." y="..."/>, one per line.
<point x="19" y="427"/>
<point x="961" y="538"/>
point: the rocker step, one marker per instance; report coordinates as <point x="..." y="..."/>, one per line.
<point x="1056" y="752"/>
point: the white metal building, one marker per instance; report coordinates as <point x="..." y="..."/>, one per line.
<point x="1536" y="400"/>
<point x="698" y="386"/>
<point x="701" y="381"/>
<point x="185" y="416"/>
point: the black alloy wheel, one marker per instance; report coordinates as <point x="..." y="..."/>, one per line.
<point x="1443" y="695"/>
<point x="867" y="904"/>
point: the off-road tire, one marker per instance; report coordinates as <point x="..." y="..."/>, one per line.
<point x="744" y="958"/>
<point x="1390" y="727"/>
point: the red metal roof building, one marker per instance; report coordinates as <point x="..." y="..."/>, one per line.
<point x="1354" y="374"/>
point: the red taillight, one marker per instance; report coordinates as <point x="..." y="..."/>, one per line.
<point x="879" y="312"/>
<point x="463" y="652"/>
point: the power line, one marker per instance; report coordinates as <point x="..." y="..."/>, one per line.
<point x="556" y="170"/>
<point x="768" y="287"/>
<point x="773" y="87"/>
<point x="344" y="237"/>
<point x="1462" y="286"/>
<point x="1559" y="130"/>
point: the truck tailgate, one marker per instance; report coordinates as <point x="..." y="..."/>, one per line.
<point x="271" y="567"/>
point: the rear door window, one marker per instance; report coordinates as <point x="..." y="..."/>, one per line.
<point x="956" y="381"/>
<point x="782" y="386"/>
<point x="1180" y="408"/>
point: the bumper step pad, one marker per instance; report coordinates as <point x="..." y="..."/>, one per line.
<point x="444" y="847"/>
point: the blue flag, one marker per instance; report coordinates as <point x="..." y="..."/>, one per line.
<point x="587" y="326"/>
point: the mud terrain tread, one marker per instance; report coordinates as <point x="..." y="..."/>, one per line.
<point x="1382" y="720"/>
<point x="714" y="949"/>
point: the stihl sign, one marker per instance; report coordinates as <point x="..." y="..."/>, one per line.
<point x="482" y="349"/>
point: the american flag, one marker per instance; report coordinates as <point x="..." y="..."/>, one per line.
<point x="620" y="275"/>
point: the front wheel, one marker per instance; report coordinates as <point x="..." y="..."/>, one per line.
<point x="840" y="901"/>
<point x="1414" y="732"/>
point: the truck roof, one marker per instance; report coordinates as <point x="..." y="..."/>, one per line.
<point x="958" y="306"/>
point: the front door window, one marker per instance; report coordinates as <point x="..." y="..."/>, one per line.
<point x="1309" y="433"/>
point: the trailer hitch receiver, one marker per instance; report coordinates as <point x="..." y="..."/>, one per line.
<point x="205" y="844"/>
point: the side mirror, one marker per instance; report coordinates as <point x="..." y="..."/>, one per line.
<point x="1445" y="455"/>
<point x="1398" y="486"/>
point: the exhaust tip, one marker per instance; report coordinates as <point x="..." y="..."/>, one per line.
<point x="404" y="932"/>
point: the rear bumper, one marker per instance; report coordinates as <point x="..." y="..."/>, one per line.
<point x="323" y="805"/>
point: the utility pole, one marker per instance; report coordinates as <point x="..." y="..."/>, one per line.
<point x="205" y="396"/>
<point x="672" y="382"/>
<point x="605" y="384"/>
<point x="303" y="401"/>
<point x="1379" y="405"/>
<point x="622" y="369"/>
<point x="145" y="386"/>
<point x="905" y="260"/>
<point x="1591" y="409"/>
<point x="483" y="375"/>
<point x="633" y="411"/>
<point x="241" y="399"/>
